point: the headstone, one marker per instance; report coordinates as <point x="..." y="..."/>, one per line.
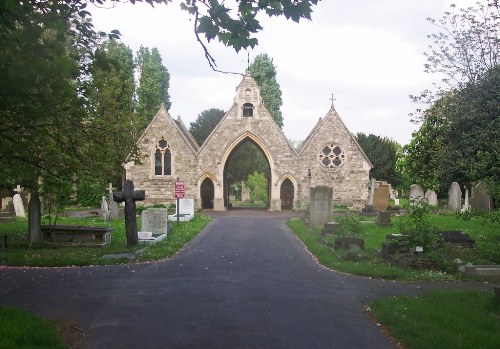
<point x="18" y="203"/>
<point x="482" y="199"/>
<point x="104" y="209"/>
<point x="372" y="191"/>
<point x="321" y="207"/>
<point x="454" y="197"/>
<point x="245" y="194"/>
<point x="155" y="220"/>
<point x="466" y="207"/>
<point x="130" y="196"/>
<point x="381" y="197"/>
<point x="431" y="197"/>
<point x="416" y="193"/>
<point x="396" y="202"/>
<point x="185" y="211"/>
<point x="114" y="210"/>
<point x="384" y="218"/>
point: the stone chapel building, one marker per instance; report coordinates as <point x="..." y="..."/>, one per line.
<point x="330" y="156"/>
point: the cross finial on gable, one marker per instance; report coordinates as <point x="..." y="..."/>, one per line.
<point x="333" y="100"/>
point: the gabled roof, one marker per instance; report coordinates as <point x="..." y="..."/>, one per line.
<point x="245" y="82"/>
<point x="332" y="113"/>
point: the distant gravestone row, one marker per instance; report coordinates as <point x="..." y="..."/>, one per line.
<point x="479" y="200"/>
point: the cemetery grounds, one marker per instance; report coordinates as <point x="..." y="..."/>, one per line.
<point x="392" y="315"/>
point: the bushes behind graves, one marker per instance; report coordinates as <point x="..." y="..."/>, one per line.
<point x="90" y="191"/>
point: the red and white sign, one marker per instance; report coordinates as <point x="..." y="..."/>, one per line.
<point x="179" y="191"/>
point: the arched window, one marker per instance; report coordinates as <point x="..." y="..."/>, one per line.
<point x="163" y="159"/>
<point x="248" y="109"/>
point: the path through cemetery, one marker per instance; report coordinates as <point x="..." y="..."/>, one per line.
<point x="244" y="282"/>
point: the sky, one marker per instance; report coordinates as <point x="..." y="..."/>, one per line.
<point x="368" y="54"/>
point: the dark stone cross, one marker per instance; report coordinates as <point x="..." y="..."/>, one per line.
<point x="130" y="196"/>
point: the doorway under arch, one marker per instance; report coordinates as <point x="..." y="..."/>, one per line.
<point x="207" y="194"/>
<point x="287" y="194"/>
<point x="245" y="158"/>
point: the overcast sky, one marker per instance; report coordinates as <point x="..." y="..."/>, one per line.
<point x="368" y="54"/>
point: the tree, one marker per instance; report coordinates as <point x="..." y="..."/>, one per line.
<point x="466" y="47"/>
<point x="44" y="56"/>
<point x="154" y="81"/>
<point x="245" y="160"/>
<point x="459" y="139"/>
<point x="263" y="71"/>
<point x="111" y="107"/>
<point x="383" y="154"/>
<point x="205" y="123"/>
<point x="257" y="183"/>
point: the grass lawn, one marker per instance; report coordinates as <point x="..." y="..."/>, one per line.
<point x="19" y="254"/>
<point x="19" y="329"/>
<point x="442" y="319"/>
<point x="487" y="250"/>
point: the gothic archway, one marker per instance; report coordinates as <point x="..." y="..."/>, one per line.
<point x="287" y="194"/>
<point x="250" y="154"/>
<point x="207" y="194"/>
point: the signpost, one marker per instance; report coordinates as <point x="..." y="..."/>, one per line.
<point x="179" y="192"/>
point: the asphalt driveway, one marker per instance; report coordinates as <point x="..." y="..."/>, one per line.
<point x="244" y="282"/>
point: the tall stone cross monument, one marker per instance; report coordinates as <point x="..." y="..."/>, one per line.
<point x="130" y="196"/>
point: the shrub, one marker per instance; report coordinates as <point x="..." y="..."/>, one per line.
<point x="349" y="226"/>
<point x="416" y="224"/>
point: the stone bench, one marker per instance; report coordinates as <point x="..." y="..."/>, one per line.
<point x="69" y="235"/>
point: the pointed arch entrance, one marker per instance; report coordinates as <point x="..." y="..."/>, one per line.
<point x="287" y="194"/>
<point x="229" y="179"/>
<point x="207" y="193"/>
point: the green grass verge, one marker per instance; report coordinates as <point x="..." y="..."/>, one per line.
<point x="19" y="329"/>
<point x="487" y="251"/>
<point x="19" y="254"/>
<point x="442" y="319"/>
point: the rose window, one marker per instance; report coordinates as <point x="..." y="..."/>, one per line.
<point x="331" y="157"/>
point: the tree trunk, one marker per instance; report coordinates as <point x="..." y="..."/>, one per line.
<point x="34" y="219"/>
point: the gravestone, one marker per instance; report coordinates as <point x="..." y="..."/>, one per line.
<point x="245" y="193"/>
<point x="416" y="193"/>
<point x="114" y="210"/>
<point x="455" y="197"/>
<point x="321" y="207"/>
<point x="381" y="197"/>
<point x="372" y="191"/>
<point x="130" y="196"/>
<point x="431" y="197"/>
<point x="481" y="199"/>
<point x="368" y="209"/>
<point x="155" y="220"/>
<point x="384" y="218"/>
<point x="466" y="207"/>
<point x="18" y="203"/>
<point x="185" y="211"/>
<point x="104" y="209"/>
<point x="457" y="238"/>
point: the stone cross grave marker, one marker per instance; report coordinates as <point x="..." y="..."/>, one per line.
<point x="130" y="196"/>
<point x="455" y="197"/>
<point x="155" y="220"/>
<point x="321" y="207"/>
<point x="18" y="202"/>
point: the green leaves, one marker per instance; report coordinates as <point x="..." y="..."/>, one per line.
<point x="236" y="27"/>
